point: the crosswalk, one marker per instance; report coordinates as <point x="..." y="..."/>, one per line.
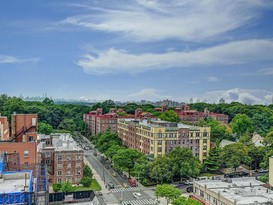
<point x="139" y="202"/>
<point x="125" y="189"/>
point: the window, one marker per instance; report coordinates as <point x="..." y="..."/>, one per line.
<point x="48" y="161"/>
<point x="68" y="172"/>
<point x="214" y="201"/>
<point x="59" y="180"/>
<point x="79" y="157"/>
<point x="68" y="166"/>
<point x="78" y="172"/>
<point x="78" y="164"/>
<point x="59" y="158"/>
<point x="30" y="138"/>
<point x="201" y="193"/>
<point x="59" y="173"/>
<point x="159" y="142"/>
<point x="208" y="197"/>
<point x="68" y="158"/>
<point x="60" y="166"/>
<point x="26" y="153"/>
<point x="159" y="149"/>
<point x="47" y="155"/>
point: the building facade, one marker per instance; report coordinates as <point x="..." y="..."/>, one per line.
<point x="156" y="137"/>
<point x="63" y="158"/>
<point x="4" y="128"/>
<point x="193" y="116"/>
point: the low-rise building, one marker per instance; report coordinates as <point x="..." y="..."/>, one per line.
<point x="4" y="128"/>
<point x="156" y="137"/>
<point x="236" y="191"/>
<point x="64" y="159"/>
<point x="270" y="171"/>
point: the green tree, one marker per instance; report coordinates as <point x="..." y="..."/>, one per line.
<point x="185" y="201"/>
<point x="68" y="124"/>
<point x="86" y="181"/>
<point x="169" y="115"/>
<point x="87" y="172"/>
<point x="126" y="159"/>
<point x="67" y="187"/>
<point x="113" y="150"/>
<point x="241" y="124"/>
<point x="268" y="140"/>
<point x="213" y="162"/>
<point x="57" y="187"/>
<point x="234" y="155"/>
<point x="45" y="128"/>
<point x="167" y="191"/>
<point x="184" y="164"/>
<point x="161" y="169"/>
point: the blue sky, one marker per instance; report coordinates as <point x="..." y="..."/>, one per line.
<point x="130" y="50"/>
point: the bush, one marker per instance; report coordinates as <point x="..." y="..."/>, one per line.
<point x="67" y="187"/>
<point x="86" y="181"/>
<point x="87" y="172"/>
<point x="264" y="178"/>
<point x="57" y="187"/>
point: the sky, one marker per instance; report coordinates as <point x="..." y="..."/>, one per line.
<point x="131" y="50"/>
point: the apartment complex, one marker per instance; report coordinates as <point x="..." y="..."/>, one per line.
<point x="236" y="191"/>
<point x="156" y="137"/>
<point x="64" y="159"/>
<point x="193" y="116"/>
<point x="4" y="128"/>
<point x="98" y="122"/>
<point x="21" y="145"/>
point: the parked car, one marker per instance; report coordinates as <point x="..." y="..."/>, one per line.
<point x="262" y="170"/>
<point x="111" y="185"/>
<point x="137" y="194"/>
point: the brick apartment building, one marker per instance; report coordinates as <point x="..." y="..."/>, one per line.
<point x="98" y="122"/>
<point x="21" y="145"/>
<point x="156" y="137"/>
<point x="63" y="158"/>
<point x="4" y="128"/>
<point x="193" y="116"/>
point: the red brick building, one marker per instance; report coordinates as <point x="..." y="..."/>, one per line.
<point x="4" y="128"/>
<point x="23" y="139"/>
<point x="193" y="116"/>
<point x="63" y="158"/>
<point x="98" y="122"/>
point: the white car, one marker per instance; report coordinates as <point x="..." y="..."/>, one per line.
<point x="137" y="194"/>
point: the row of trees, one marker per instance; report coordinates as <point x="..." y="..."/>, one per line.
<point x="179" y="163"/>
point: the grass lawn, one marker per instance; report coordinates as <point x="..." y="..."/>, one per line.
<point x="94" y="186"/>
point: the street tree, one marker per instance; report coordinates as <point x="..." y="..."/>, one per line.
<point x="183" y="163"/>
<point x="213" y="162"/>
<point x="44" y="128"/>
<point x="161" y="169"/>
<point x="87" y="172"/>
<point x="185" y="201"/>
<point x="125" y="159"/>
<point x="233" y="155"/>
<point x="167" y="191"/>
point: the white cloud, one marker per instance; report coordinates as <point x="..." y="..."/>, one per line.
<point x="4" y="59"/>
<point x="246" y="96"/>
<point x="188" y="20"/>
<point x="148" y="94"/>
<point x="266" y="71"/>
<point x="113" y="60"/>
<point x="212" y="79"/>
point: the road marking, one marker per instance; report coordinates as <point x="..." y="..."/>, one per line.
<point x="125" y="189"/>
<point x="139" y="202"/>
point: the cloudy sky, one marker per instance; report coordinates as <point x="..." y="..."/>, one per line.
<point x="138" y="49"/>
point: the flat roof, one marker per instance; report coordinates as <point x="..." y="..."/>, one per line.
<point x="246" y="190"/>
<point x="65" y="142"/>
<point x="14" y="182"/>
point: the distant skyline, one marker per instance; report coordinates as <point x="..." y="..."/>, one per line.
<point x="132" y="50"/>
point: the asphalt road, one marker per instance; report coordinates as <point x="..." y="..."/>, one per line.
<point x="121" y="193"/>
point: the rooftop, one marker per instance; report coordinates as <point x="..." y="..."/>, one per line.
<point x="244" y="191"/>
<point x="14" y="181"/>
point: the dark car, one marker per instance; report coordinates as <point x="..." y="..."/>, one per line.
<point x="243" y="174"/>
<point x="111" y="185"/>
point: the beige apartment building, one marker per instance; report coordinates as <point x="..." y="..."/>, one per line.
<point x="156" y="137"/>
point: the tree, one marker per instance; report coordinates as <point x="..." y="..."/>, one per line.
<point x="113" y="150"/>
<point x="213" y="162"/>
<point x="241" y="124"/>
<point x="68" y="124"/>
<point x="169" y="115"/>
<point x="86" y="181"/>
<point x="67" y="187"/>
<point x="87" y="172"/>
<point x="57" y="187"/>
<point x="45" y="128"/>
<point x="219" y="130"/>
<point x="167" y="191"/>
<point x="268" y="140"/>
<point x="185" y="201"/>
<point x="184" y="164"/>
<point x="234" y="155"/>
<point x="161" y="169"/>
<point x="125" y="159"/>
